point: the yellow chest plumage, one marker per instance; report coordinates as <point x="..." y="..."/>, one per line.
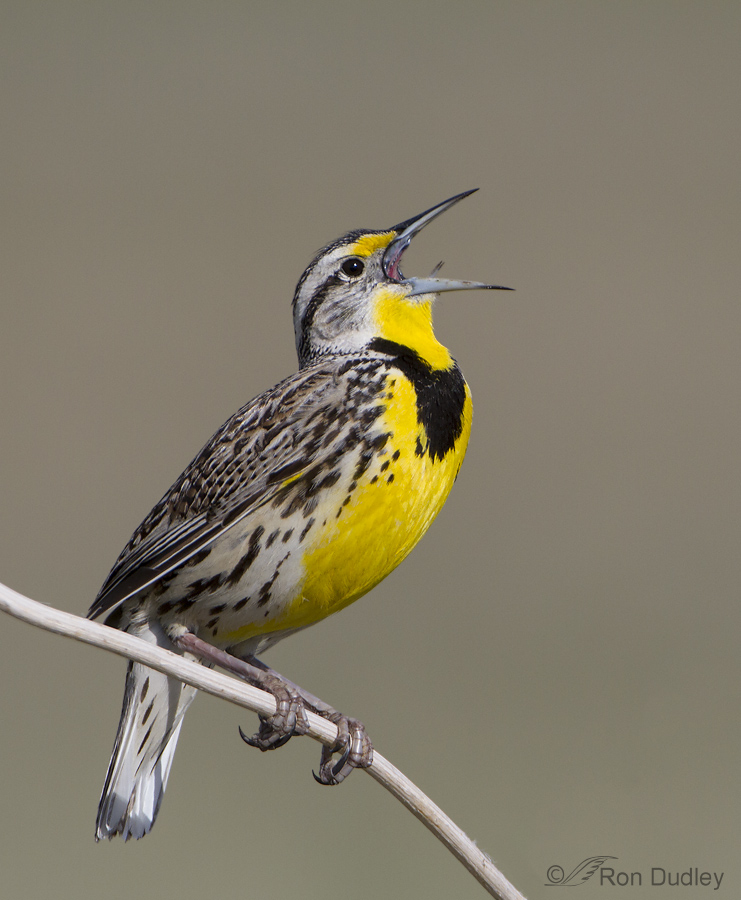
<point x="368" y="521"/>
<point x="393" y="505"/>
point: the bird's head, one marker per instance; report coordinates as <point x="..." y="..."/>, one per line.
<point x="354" y="292"/>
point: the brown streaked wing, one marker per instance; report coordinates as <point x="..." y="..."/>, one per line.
<point x="276" y="436"/>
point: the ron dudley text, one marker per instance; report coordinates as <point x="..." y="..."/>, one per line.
<point x="692" y="877"/>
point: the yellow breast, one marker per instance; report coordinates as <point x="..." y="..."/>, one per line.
<point x="393" y="505"/>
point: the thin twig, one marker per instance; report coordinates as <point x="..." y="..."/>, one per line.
<point x="235" y="691"/>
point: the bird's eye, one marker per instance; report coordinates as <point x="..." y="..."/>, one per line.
<point x="353" y="267"/>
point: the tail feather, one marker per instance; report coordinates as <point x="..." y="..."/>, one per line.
<point x="151" y="717"/>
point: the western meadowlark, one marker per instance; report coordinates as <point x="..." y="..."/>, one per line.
<point x="301" y="503"/>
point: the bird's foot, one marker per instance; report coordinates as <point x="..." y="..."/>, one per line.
<point x="289" y="717"/>
<point x="353" y="745"/>
<point x="288" y="720"/>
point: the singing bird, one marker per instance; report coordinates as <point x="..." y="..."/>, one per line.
<point x="301" y="502"/>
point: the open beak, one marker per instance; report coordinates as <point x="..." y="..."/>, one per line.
<point x="405" y="232"/>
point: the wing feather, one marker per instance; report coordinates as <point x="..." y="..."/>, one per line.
<point x="273" y="439"/>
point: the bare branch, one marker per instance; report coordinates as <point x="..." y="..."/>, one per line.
<point x="244" y="695"/>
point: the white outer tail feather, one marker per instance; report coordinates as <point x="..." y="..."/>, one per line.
<point x="151" y="717"/>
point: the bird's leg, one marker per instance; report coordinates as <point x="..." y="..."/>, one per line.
<point x="290" y="714"/>
<point x="353" y="744"/>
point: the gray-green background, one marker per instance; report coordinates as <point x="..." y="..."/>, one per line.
<point x="557" y="663"/>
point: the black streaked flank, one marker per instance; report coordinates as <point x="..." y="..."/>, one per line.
<point x="266" y="590"/>
<point x="202" y="586"/>
<point x="441" y="397"/>
<point x="306" y="530"/>
<point x="246" y="561"/>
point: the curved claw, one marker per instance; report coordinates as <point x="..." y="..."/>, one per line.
<point x="355" y="748"/>
<point x="266" y="738"/>
<point x="289" y="720"/>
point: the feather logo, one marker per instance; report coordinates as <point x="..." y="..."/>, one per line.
<point x="583" y="872"/>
